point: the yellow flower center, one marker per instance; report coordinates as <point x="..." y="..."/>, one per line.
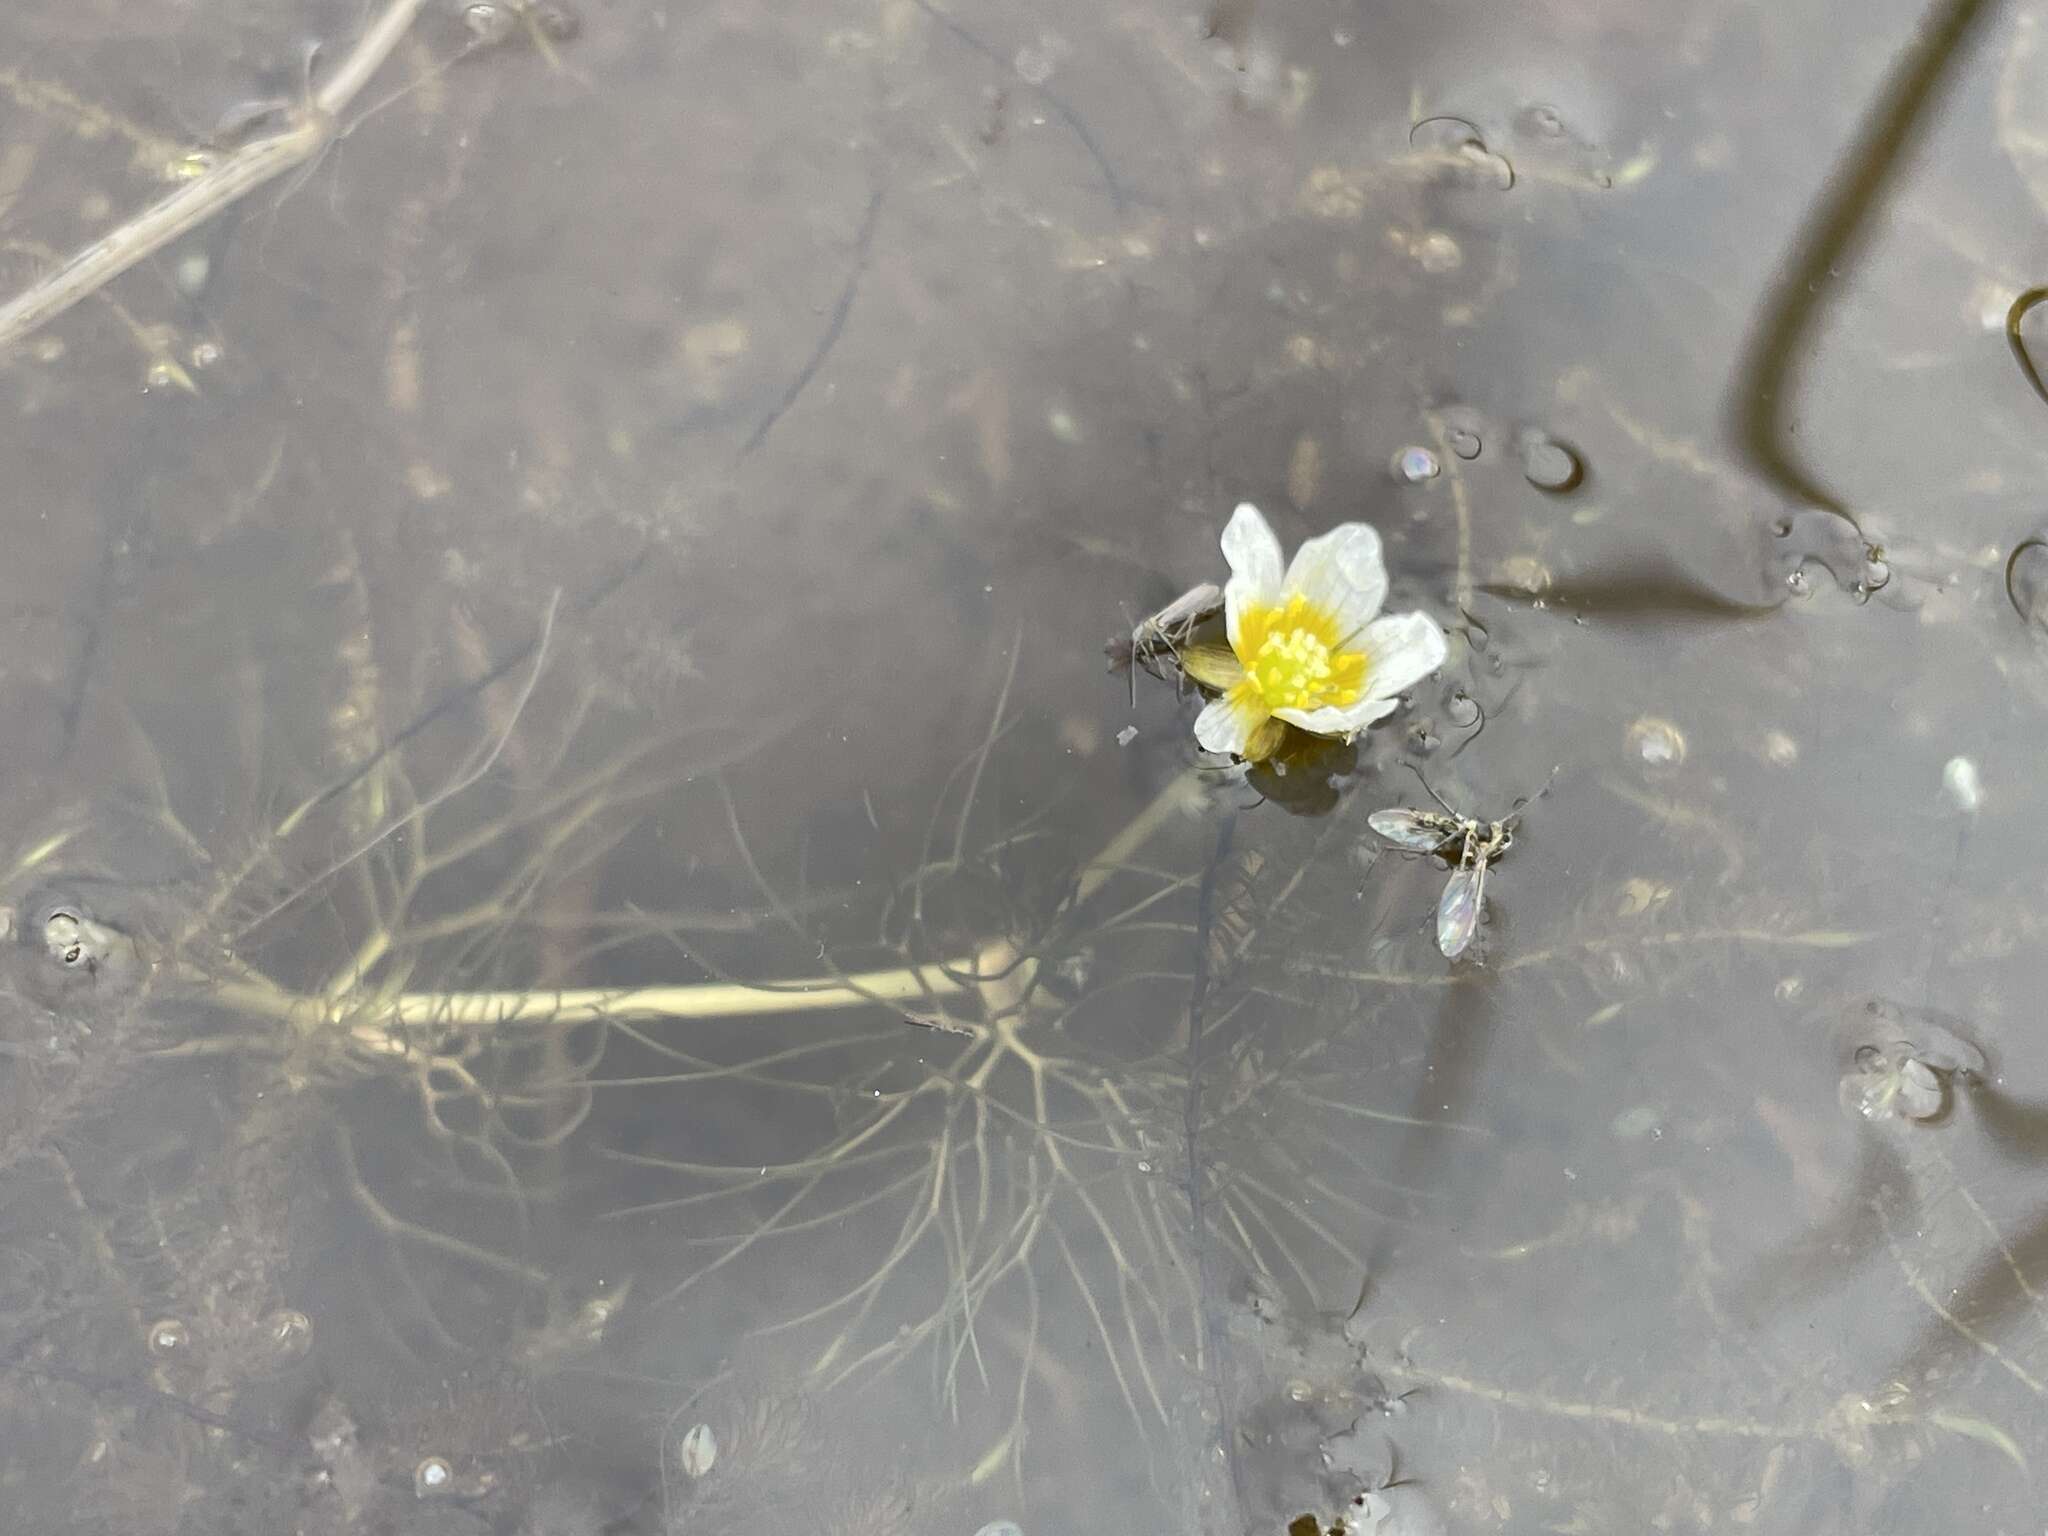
<point x="1290" y="656"/>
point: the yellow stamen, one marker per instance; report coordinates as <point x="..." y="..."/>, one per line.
<point x="1290" y="657"/>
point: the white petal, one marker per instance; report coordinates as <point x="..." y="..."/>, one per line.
<point x="1226" y="724"/>
<point x="1342" y="573"/>
<point x="1340" y="720"/>
<point x="1252" y="551"/>
<point x="1400" y="651"/>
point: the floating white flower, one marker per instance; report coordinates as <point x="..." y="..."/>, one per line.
<point x="1307" y="646"/>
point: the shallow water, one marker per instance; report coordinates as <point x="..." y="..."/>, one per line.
<point x="634" y="985"/>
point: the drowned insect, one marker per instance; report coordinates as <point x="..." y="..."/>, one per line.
<point x="1163" y="633"/>
<point x="1468" y="845"/>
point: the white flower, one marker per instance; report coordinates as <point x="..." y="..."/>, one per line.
<point x="1307" y="646"/>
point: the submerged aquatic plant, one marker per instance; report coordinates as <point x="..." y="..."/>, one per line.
<point x="1308" y="646"/>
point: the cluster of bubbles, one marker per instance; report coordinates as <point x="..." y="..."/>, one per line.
<point x="1549" y="465"/>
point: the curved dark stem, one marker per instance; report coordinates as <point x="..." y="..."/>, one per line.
<point x="2018" y="343"/>
<point x="1831" y="238"/>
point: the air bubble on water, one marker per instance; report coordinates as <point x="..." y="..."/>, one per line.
<point x="168" y="1336"/>
<point x="1876" y="576"/>
<point x="1461" y="709"/>
<point x="1959" y="781"/>
<point x="432" y="1477"/>
<point x="1544" y="120"/>
<point x="1798" y="583"/>
<point x="1657" y="742"/>
<point x="1549" y="465"/>
<point x="1463" y="442"/>
<point x="1415" y="464"/>
<point x="697" y="1451"/>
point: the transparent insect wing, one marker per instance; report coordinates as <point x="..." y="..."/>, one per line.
<point x="1408" y="829"/>
<point x="1457" y="910"/>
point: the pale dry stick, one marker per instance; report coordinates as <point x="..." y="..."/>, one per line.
<point x="220" y="186"/>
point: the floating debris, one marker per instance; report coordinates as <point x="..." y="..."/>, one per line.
<point x="1458" y="143"/>
<point x="1960" y="783"/>
<point x="290" y="1331"/>
<point x="1127" y="735"/>
<point x="697" y="1451"/>
<point x="1889" y="1082"/>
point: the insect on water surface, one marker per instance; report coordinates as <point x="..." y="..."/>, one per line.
<point x="1469" y="845"/>
<point x="1165" y="631"/>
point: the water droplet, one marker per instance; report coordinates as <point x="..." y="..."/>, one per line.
<point x="432" y="1477"/>
<point x="1798" y="583"/>
<point x="168" y="1336"/>
<point x="1548" y="465"/>
<point x="1657" y="742"/>
<point x="1464" y="443"/>
<point x="1960" y="783"/>
<point x="1416" y="464"/>
<point x="290" y="1331"/>
<point x="698" y="1450"/>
